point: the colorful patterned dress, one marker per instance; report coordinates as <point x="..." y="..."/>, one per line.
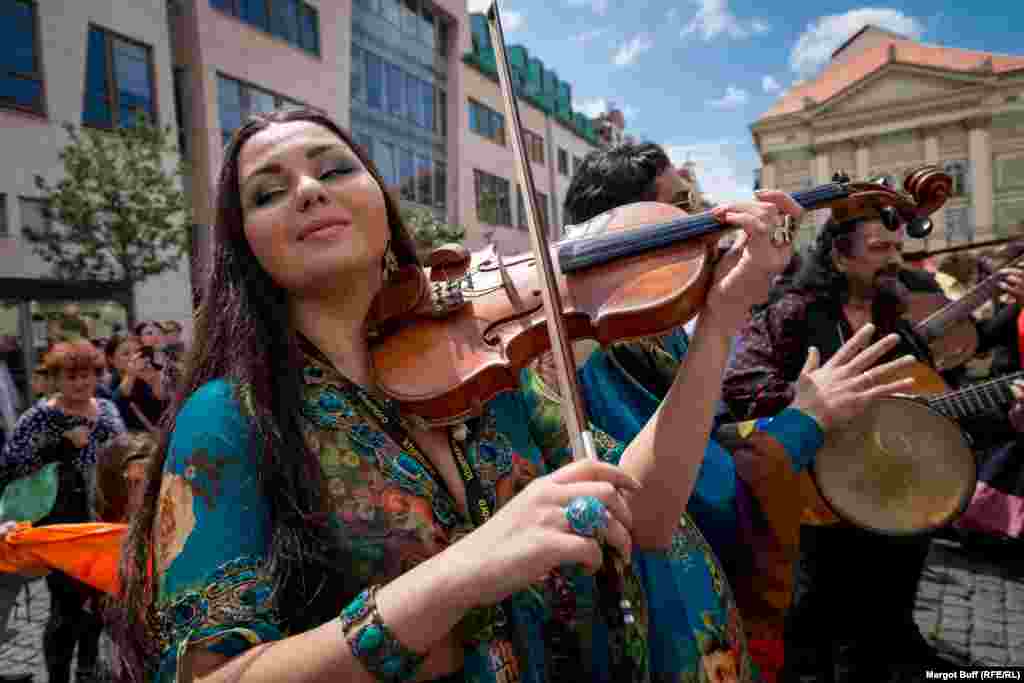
<point x="213" y="531"/>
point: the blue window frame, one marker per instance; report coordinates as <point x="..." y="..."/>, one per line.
<point x="21" y="72"/>
<point x="118" y="82"/>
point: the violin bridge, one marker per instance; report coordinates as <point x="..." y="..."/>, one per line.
<point x="508" y="285"/>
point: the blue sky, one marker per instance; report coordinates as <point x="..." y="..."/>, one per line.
<point x="693" y="74"/>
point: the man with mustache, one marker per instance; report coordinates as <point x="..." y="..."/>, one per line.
<point x="852" y="617"/>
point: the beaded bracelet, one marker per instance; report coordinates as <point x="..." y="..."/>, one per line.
<point x="373" y="643"/>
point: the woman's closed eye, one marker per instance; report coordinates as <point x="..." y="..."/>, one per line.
<point x="263" y="197"/>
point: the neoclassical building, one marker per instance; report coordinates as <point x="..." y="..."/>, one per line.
<point x="885" y="104"/>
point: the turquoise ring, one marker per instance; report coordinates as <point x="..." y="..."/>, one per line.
<point x="587" y="516"/>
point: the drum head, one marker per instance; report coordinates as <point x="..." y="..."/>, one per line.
<point x="900" y="468"/>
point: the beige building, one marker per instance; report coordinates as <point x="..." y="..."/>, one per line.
<point x="885" y="104"/>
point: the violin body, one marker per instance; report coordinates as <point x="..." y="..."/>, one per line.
<point x="957" y="340"/>
<point x="468" y="357"/>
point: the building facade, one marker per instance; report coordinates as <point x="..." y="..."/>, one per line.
<point x="406" y="86"/>
<point x="491" y="204"/>
<point x="885" y="104"/>
<point x="86" y="63"/>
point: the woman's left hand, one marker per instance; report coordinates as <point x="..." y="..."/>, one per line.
<point x="1017" y="409"/>
<point x="842" y="388"/>
<point x="744" y="275"/>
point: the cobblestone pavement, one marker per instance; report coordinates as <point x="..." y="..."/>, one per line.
<point x="970" y="603"/>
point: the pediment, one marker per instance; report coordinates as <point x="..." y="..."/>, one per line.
<point x="895" y="87"/>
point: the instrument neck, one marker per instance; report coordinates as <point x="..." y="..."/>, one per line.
<point x="933" y="326"/>
<point x="991" y="396"/>
<point x="585" y="252"/>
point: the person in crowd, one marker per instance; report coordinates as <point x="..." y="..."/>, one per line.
<point x="141" y="394"/>
<point x="625" y="383"/>
<point x="293" y="511"/>
<point x="119" y="351"/>
<point x="853" y="276"/>
<point x="68" y="428"/>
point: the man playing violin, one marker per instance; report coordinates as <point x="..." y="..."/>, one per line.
<point x="852" y="586"/>
<point x="625" y="383"/>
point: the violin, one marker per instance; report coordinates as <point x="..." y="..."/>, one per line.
<point x="456" y="334"/>
<point x="946" y="325"/>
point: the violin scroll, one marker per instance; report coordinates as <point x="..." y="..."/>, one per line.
<point x="926" y="189"/>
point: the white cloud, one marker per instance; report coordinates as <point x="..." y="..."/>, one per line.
<point x="596" y="106"/>
<point x="725" y="169"/>
<point x="714" y="18"/>
<point x="511" y="20"/>
<point x="820" y="39"/>
<point x="599" y="7"/>
<point x="587" y="36"/>
<point x="631" y="49"/>
<point x="770" y="85"/>
<point x="734" y="98"/>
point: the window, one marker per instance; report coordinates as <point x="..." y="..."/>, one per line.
<point x="384" y="157"/>
<point x="958" y="225"/>
<point x="414" y="99"/>
<point x="33" y="214"/>
<point x="374" y="81"/>
<point x="542" y="204"/>
<point x="492" y="199"/>
<point x="563" y="161"/>
<point x="486" y="122"/>
<point x="534" y="146"/>
<point x="396" y="89"/>
<point x="424" y="181"/>
<point x="576" y="162"/>
<point x="293" y="20"/>
<point x="237" y="101"/>
<point x="21" y="71"/>
<point x="959" y="171"/>
<point x="410" y="17"/>
<point x="442" y="113"/>
<point x="118" y="81"/>
<point x="427" y="91"/>
<point x="358" y="76"/>
<point x="4" y="231"/>
<point x="389" y="8"/>
<point x="440" y="184"/>
<point x="407" y="174"/>
<point x="181" y="107"/>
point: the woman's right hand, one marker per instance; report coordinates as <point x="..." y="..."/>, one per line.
<point x="530" y="535"/>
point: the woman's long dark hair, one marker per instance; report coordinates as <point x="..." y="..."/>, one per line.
<point x="239" y="337"/>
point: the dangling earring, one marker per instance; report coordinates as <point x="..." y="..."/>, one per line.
<point x="389" y="263"/>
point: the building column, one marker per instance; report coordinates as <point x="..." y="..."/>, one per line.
<point x="980" y="152"/>
<point x="863" y="158"/>
<point x="821" y="173"/>
<point x="931" y="156"/>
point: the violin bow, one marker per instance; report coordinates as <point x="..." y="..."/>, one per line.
<point x="580" y="436"/>
<point x="581" y="439"/>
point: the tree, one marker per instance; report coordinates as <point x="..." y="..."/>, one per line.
<point x="428" y="230"/>
<point x="118" y="215"/>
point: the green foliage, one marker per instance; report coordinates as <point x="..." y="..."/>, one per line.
<point x="428" y="230"/>
<point x="117" y="215"/>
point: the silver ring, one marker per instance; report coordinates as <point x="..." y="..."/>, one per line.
<point x="782" y="234"/>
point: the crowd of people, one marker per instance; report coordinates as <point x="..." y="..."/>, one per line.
<point x="95" y="413"/>
<point x="289" y="522"/>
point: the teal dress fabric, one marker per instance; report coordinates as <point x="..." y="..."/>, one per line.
<point x="213" y="530"/>
<point x="622" y="407"/>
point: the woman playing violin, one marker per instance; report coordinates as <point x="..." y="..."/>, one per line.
<point x="296" y="527"/>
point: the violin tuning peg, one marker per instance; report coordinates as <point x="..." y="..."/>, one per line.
<point x="840" y="177"/>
